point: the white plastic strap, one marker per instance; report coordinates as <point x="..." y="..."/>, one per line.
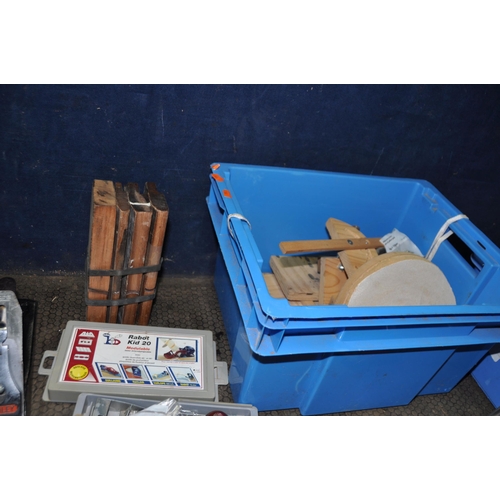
<point x="148" y="204"/>
<point x="443" y="235"/>
<point x="236" y="216"/>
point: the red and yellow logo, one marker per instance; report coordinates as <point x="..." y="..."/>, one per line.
<point x="78" y="372"/>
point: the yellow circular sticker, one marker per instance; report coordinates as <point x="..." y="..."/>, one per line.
<point x="78" y="372"/>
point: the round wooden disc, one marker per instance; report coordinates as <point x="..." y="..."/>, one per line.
<point x="397" y="279"/>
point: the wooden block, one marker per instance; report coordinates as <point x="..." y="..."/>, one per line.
<point x="275" y="291"/>
<point x="351" y="259"/>
<point x="101" y="245"/>
<point x="122" y="220"/>
<point x="298" y="277"/>
<point x="273" y="287"/>
<point x="155" y="248"/>
<point x="331" y="279"/>
<point x="135" y="256"/>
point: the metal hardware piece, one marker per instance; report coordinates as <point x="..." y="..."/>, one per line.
<point x="11" y="361"/>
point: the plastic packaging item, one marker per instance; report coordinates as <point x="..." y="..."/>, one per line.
<point x="171" y="408"/>
<point x="167" y="408"/>
<point x="334" y="358"/>
<point x="396" y="241"/>
<point x="105" y="407"/>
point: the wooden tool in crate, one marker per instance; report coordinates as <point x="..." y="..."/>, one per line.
<point x="127" y="232"/>
<point x="357" y="275"/>
<point x="320" y="279"/>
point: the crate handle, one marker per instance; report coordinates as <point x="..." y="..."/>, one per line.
<point x="46" y="355"/>
<point x="442" y="235"/>
<point x="236" y="216"/>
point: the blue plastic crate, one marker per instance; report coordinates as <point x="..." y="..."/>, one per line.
<point x="487" y="375"/>
<point x="324" y="359"/>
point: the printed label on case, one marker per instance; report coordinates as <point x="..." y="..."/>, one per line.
<point x="136" y="358"/>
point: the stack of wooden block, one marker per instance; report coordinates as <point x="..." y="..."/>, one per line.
<point x="127" y="232"/>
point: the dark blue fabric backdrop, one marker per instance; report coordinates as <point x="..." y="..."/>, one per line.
<point x="55" y="139"/>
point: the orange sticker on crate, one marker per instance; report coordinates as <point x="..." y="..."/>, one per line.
<point x="226" y="193"/>
<point x="217" y="177"/>
<point x="215" y="166"/>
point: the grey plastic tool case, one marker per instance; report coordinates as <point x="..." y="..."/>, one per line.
<point x="86" y="404"/>
<point x="130" y="361"/>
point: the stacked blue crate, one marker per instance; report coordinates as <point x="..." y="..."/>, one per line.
<point x="325" y="359"/>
